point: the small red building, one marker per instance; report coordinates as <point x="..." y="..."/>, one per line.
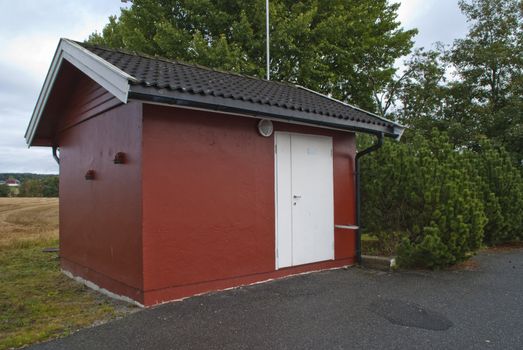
<point x="177" y="179"/>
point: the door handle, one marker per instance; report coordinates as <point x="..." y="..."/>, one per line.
<point x="296" y="196"/>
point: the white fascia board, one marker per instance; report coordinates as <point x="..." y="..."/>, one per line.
<point x="107" y="75"/>
<point x="112" y="78"/>
<point x="398" y="130"/>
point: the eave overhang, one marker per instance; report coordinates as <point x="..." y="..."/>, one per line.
<point x="124" y="87"/>
<point x="108" y="76"/>
<point x="238" y="107"/>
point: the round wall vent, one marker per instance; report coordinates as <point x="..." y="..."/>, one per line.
<point x="265" y="127"/>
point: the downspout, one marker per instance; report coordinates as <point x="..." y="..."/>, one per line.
<point x="55" y="155"/>
<point x="372" y="148"/>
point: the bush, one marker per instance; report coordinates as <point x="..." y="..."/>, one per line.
<point x="429" y="191"/>
<point x="4" y="191"/>
<point x="50" y="186"/>
<point x="501" y="187"/>
<point x="31" y="188"/>
<point x="44" y="187"/>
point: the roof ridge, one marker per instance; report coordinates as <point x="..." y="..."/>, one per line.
<point x="187" y="64"/>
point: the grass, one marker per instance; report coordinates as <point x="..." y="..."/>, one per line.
<point x="370" y="245"/>
<point x="38" y="302"/>
<point x="380" y="244"/>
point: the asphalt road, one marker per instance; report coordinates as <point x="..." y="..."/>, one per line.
<point x="339" y="309"/>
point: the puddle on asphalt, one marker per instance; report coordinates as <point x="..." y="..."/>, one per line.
<point x="410" y="314"/>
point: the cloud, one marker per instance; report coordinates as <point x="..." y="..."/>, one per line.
<point x="29" y="34"/>
<point x="17" y="90"/>
<point x="22" y="160"/>
<point x="14" y="154"/>
<point x="30" y="53"/>
<point x="412" y="10"/>
<point x="436" y="20"/>
<point x="30" y="30"/>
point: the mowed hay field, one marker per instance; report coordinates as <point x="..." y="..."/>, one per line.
<point x="28" y="220"/>
<point x="37" y="301"/>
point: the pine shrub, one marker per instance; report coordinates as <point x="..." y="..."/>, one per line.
<point x="428" y="190"/>
<point x="501" y="188"/>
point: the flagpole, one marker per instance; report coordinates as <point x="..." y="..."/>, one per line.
<point x="267" y="34"/>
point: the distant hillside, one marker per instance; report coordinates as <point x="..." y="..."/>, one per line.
<point x="24" y="176"/>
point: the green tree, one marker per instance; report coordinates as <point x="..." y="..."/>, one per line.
<point x="4" y="191"/>
<point x="31" y="188"/>
<point x="489" y="64"/>
<point x="421" y="93"/>
<point x="345" y="48"/>
<point x="50" y="186"/>
<point x="40" y="187"/>
<point x="473" y="89"/>
<point x="426" y="99"/>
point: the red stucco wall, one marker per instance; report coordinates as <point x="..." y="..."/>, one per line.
<point x="100" y="220"/>
<point x="208" y="201"/>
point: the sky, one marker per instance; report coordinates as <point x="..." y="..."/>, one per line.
<point x="29" y="34"/>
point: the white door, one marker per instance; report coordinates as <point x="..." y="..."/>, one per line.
<point x="304" y="199"/>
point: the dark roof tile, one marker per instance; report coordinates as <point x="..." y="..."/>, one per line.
<point x="192" y="79"/>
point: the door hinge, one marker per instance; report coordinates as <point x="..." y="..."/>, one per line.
<point x="276" y="253"/>
<point x="276" y="149"/>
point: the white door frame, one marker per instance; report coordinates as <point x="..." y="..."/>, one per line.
<point x="284" y="216"/>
